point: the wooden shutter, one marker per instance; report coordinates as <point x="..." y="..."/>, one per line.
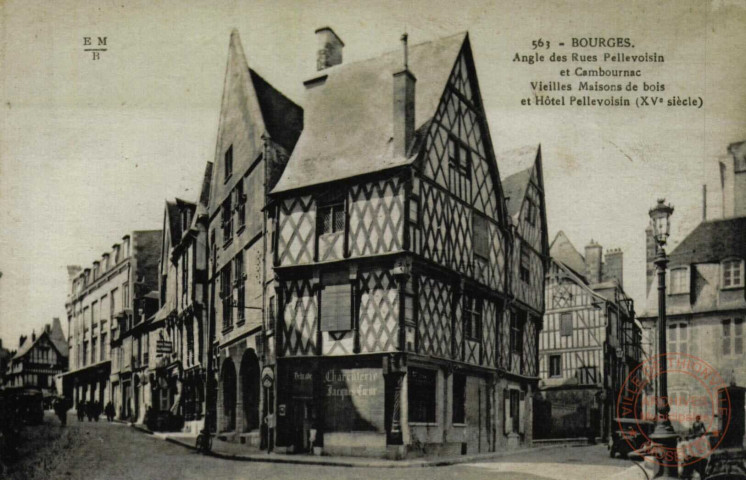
<point x="335" y="308"/>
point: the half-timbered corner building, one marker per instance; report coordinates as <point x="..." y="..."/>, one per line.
<point x="257" y="130"/>
<point x="392" y="264"/>
<point x="589" y="344"/>
<point x="524" y="199"/>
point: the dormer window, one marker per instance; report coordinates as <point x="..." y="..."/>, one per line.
<point x="732" y="273"/>
<point x="679" y="281"/>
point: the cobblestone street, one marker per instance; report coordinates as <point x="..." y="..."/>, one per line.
<point x="115" y="451"/>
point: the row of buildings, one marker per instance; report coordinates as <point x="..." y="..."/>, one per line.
<point x="355" y="277"/>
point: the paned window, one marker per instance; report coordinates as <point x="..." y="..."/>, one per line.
<point x="566" y="324"/>
<point x="335" y="308"/>
<point x="459" y="166"/>
<point x="516" y="333"/>
<point x="679" y="280"/>
<point x="226" y="295"/>
<point x="239" y="275"/>
<point x="472" y="317"/>
<point x="227" y="220"/>
<point x="678" y="337"/>
<point x="733" y="337"/>
<point x="331" y="218"/>
<point x="421" y="395"/>
<point x="240" y="205"/>
<point x="555" y="365"/>
<point x="531" y="212"/>
<point x="525" y="266"/>
<point x="732" y="273"/>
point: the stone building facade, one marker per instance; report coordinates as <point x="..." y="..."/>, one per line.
<point x="705" y="295"/>
<point x="106" y="304"/>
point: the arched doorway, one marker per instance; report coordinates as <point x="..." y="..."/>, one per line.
<point x="250" y="390"/>
<point x="228" y="388"/>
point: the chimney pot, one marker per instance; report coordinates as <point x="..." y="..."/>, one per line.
<point x="404" y="102"/>
<point x="593" y="253"/>
<point x="329" y="52"/>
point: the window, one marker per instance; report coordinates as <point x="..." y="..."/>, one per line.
<point x="555" y="365"/>
<point x="481" y="242"/>
<point x="459" y="157"/>
<point x="677" y="337"/>
<point x="185" y="278"/>
<point x="414" y="217"/>
<point x="516" y="334"/>
<point x="146" y="349"/>
<point x="238" y="271"/>
<point x="566" y="324"/>
<point x="421" y="395"/>
<point x="93" y="349"/>
<point x="679" y="280"/>
<point x="228" y="163"/>
<point x="531" y="212"/>
<point x="226" y="294"/>
<point x="335" y="307"/>
<point x="227" y="220"/>
<point x="459" y="398"/>
<point x="240" y="206"/>
<point x="331" y="218"/>
<point x="459" y="166"/>
<point x="525" y="270"/>
<point x="472" y="317"/>
<point x="112" y="305"/>
<point x="732" y="273"/>
<point x="104" y="347"/>
<point x="125" y="295"/>
<point x="733" y="338"/>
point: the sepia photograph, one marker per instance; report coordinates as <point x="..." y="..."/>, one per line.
<point x="489" y="239"/>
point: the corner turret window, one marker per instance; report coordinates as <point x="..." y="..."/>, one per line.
<point x="732" y="273"/>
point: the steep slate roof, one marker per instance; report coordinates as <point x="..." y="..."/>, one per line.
<point x="59" y="345"/>
<point x="283" y="119"/>
<point x="711" y="242"/>
<point x="564" y="251"/>
<point x="173" y="211"/>
<point x="349" y="119"/>
<point x="516" y="167"/>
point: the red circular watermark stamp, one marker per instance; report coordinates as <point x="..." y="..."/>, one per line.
<point x="695" y="407"/>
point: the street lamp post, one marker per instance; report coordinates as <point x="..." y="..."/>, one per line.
<point x="664" y="435"/>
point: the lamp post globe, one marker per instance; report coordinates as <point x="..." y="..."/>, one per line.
<point x="664" y="436"/>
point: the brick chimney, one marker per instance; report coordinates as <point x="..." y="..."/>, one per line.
<point x="329" y="51"/>
<point x="593" y="253"/>
<point x="404" y="83"/>
<point x="614" y="266"/>
<point x="736" y="205"/>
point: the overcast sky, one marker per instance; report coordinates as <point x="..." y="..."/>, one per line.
<point x="91" y="149"/>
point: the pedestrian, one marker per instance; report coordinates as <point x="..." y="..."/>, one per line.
<point x="81" y="410"/>
<point x="61" y="407"/>
<point x="698" y="428"/>
<point x="89" y="410"/>
<point x="109" y="411"/>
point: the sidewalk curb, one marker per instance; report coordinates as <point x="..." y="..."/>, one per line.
<point x="379" y="463"/>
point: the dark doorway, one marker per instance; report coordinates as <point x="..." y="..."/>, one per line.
<point x="228" y="387"/>
<point x="250" y="390"/>
<point x="302" y="424"/>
